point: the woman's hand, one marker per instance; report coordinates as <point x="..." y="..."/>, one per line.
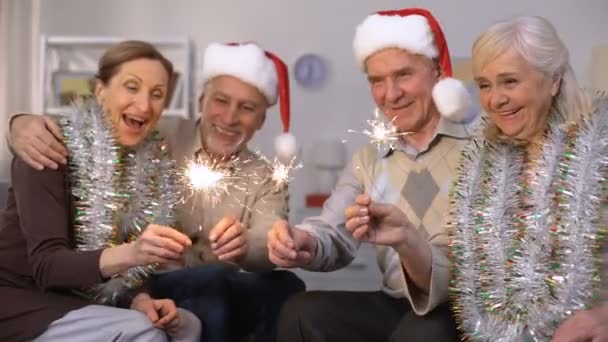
<point x="586" y="325"/>
<point x="156" y="245"/>
<point x="161" y="312"/>
<point x="159" y="244"/>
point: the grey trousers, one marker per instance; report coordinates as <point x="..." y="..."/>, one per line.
<point x="105" y="323"/>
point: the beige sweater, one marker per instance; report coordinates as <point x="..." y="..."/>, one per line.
<point x="417" y="183"/>
<point x="256" y="201"/>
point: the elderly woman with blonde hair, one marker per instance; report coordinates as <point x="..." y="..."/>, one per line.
<point x="528" y="217"/>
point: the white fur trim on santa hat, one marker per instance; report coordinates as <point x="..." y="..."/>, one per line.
<point x="453" y="100"/>
<point x="285" y="147"/>
<point x="378" y="32"/>
<point x="247" y="62"/>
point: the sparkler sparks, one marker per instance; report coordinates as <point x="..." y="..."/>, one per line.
<point x="203" y="177"/>
<point x="383" y="134"/>
<point x="210" y="178"/>
<point x="281" y="172"/>
<point x="207" y="181"/>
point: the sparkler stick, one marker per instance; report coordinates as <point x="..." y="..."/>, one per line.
<point x="384" y="135"/>
<point x="207" y="180"/>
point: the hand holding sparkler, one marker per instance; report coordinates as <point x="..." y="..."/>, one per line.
<point x="229" y="240"/>
<point x="156" y="245"/>
<point x="378" y="223"/>
<point x="159" y="244"/>
<point x="385" y="224"/>
<point x="289" y="247"/>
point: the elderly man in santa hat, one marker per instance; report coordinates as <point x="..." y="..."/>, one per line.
<point x="240" y="83"/>
<point x="395" y="199"/>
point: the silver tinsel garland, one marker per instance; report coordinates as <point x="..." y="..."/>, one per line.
<point x="533" y="261"/>
<point x="497" y="223"/>
<point x="525" y="234"/>
<point x="117" y="192"/>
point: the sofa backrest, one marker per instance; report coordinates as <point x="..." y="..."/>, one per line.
<point x="3" y="194"/>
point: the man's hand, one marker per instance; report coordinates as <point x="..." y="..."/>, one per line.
<point x="37" y="140"/>
<point x="385" y="224"/>
<point x="229" y="240"/>
<point x="586" y="325"/>
<point x="161" y="312"/>
<point x="289" y="247"/>
<point x="378" y="223"/>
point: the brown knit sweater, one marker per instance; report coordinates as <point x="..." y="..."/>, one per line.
<point x="38" y="265"/>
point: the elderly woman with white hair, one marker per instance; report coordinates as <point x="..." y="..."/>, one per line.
<point x="529" y="206"/>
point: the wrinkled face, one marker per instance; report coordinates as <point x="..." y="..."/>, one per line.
<point x="516" y="96"/>
<point x="134" y="99"/>
<point x="231" y="112"/>
<point x="401" y="85"/>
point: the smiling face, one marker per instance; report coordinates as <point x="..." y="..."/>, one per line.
<point x="401" y="85"/>
<point x="516" y="95"/>
<point x="231" y="112"/>
<point x="134" y="98"/>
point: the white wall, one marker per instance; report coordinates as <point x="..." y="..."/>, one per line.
<point x="291" y="28"/>
<point x="18" y="27"/>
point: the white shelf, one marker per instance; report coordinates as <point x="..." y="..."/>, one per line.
<point x="65" y="109"/>
<point x="76" y="57"/>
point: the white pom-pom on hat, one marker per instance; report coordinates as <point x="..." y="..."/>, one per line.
<point x="285" y="147"/>
<point x="453" y="100"/>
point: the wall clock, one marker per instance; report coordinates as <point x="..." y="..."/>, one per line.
<point x="310" y="71"/>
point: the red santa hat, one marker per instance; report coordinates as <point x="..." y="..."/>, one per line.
<point x="416" y="31"/>
<point x="261" y="69"/>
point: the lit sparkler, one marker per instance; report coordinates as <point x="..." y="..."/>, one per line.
<point x="210" y="178"/>
<point x="281" y="172"/>
<point x="383" y="134"/>
<point x="203" y="178"/>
